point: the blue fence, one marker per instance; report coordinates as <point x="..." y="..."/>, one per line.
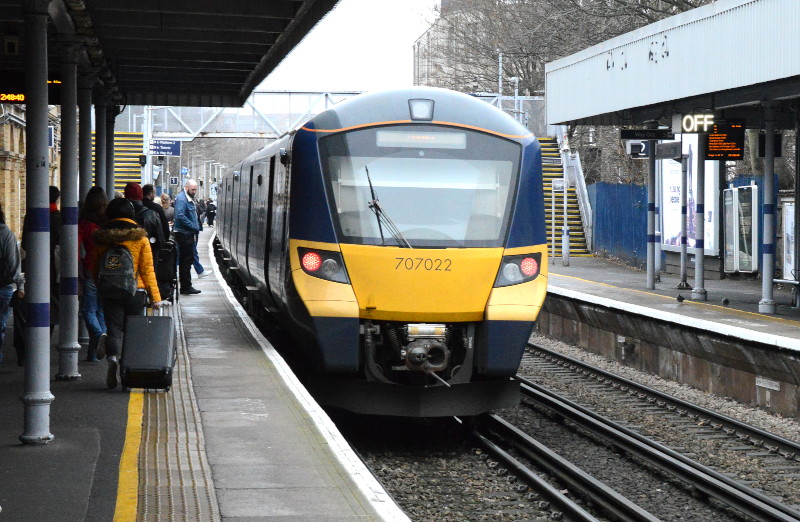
<point x="620" y="221"/>
<point x="620" y="218"/>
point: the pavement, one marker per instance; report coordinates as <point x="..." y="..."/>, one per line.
<point x="74" y="477"/>
<point x="740" y="292"/>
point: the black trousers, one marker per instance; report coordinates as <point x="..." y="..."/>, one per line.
<point x="115" y="311"/>
<point x="185" y="244"/>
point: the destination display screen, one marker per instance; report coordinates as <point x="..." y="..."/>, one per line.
<point x="725" y="141"/>
<point x="424" y="140"/>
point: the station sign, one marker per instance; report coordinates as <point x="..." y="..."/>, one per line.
<point x="692" y="123"/>
<point x="671" y="150"/>
<point x="725" y="141"/>
<point x="164" y="148"/>
<point x="12" y="89"/>
<point x="173" y="180"/>
<point x="638" y="149"/>
<point x="646" y="134"/>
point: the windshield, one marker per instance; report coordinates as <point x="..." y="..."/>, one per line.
<point x="439" y="187"/>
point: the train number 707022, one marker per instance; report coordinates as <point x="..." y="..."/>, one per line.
<point x="423" y="263"/>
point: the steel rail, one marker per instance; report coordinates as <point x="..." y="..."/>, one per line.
<point x="715" y="485"/>
<point x="569" y="508"/>
<point x="787" y="448"/>
<point x="576" y="479"/>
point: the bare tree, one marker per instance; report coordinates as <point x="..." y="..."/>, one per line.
<point x="471" y="34"/>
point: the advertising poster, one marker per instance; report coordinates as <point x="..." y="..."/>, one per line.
<point x="671" y="200"/>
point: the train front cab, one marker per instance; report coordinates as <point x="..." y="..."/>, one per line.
<point x="386" y="292"/>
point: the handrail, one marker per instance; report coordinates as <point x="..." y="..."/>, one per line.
<point x="574" y="175"/>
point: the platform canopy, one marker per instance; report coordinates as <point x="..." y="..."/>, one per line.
<point x="729" y="56"/>
<point x="166" y="52"/>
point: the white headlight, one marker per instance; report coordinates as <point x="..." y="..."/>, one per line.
<point x="511" y="272"/>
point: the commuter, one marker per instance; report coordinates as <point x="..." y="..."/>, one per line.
<point x="211" y="212"/>
<point x="12" y="282"/>
<point x="201" y="211"/>
<point x="147" y="219"/>
<point x="169" y="210"/>
<point x="122" y="230"/>
<point x="198" y="267"/>
<point x="148" y="200"/>
<point x="55" y="242"/>
<point x="185" y="229"/>
<point x="90" y="219"/>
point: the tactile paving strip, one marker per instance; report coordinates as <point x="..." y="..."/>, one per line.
<point x="174" y="475"/>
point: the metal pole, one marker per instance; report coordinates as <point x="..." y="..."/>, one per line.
<point x="100" y="108"/>
<point x="767" y="303"/>
<point x="36" y="397"/>
<point x="651" y="211"/>
<point x="553" y="222"/>
<point x="565" y="228"/>
<point x="68" y="346"/>
<point x="699" y="291"/>
<point x="796" y="207"/>
<point x="684" y="256"/>
<point x="111" y="116"/>
<point x="500" y="79"/>
<point x="85" y="81"/>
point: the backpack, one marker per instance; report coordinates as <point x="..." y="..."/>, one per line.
<point x="116" y="275"/>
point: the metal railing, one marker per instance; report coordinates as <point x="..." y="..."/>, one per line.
<point x="574" y="174"/>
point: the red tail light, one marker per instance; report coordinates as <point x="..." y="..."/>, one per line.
<point x="529" y="266"/>
<point x="323" y="264"/>
<point x="311" y="261"/>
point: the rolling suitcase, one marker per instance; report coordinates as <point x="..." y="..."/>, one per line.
<point x="167" y="269"/>
<point x="148" y="351"/>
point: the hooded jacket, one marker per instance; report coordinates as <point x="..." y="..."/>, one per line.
<point x="135" y="240"/>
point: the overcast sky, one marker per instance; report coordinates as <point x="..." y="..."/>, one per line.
<point x="362" y="45"/>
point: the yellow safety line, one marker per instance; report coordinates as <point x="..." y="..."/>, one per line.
<point x="128" y="486"/>
<point x="688" y="302"/>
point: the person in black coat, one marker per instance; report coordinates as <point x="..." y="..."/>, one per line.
<point x="211" y="212"/>
<point x="148" y="200"/>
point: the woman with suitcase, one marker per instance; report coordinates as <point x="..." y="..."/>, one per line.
<point x="123" y="264"/>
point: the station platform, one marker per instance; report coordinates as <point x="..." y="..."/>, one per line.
<point x="236" y="438"/>
<point x="721" y="345"/>
<point x="625" y="288"/>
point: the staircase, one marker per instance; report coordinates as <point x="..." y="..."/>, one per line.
<point x="552" y="168"/>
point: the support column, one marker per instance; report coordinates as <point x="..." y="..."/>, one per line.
<point x="85" y="82"/>
<point x="68" y="346"/>
<point x="699" y="291"/>
<point x="111" y="117"/>
<point x="100" y="107"/>
<point x="796" y="202"/>
<point x="767" y="303"/>
<point x="651" y="211"/>
<point x="37" y="397"/>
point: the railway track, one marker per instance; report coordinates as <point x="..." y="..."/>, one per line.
<point x="746" y="433"/>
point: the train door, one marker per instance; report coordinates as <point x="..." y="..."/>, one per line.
<point x="258" y="222"/>
<point x="278" y="231"/>
<point x="227" y="228"/>
<point x="235" y="209"/>
<point x="243" y="221"/>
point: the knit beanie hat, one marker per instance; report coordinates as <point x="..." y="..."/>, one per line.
<point x="133" y="191"/>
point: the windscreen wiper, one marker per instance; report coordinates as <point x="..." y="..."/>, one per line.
<point x="383" y="218"/>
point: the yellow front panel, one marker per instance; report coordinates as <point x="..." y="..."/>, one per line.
<point x="520" y="302"/>
<point x="322" y="298"/>
<point x="426" y="285"/>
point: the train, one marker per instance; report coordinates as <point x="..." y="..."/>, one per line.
<point x="399" y="239"/>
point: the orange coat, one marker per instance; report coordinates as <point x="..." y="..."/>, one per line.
<point x="135" y="240"/>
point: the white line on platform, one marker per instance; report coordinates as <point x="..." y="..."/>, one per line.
<point x="686" y="320"/>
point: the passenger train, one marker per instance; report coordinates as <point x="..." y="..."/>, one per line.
<point x="399" y="237"/>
